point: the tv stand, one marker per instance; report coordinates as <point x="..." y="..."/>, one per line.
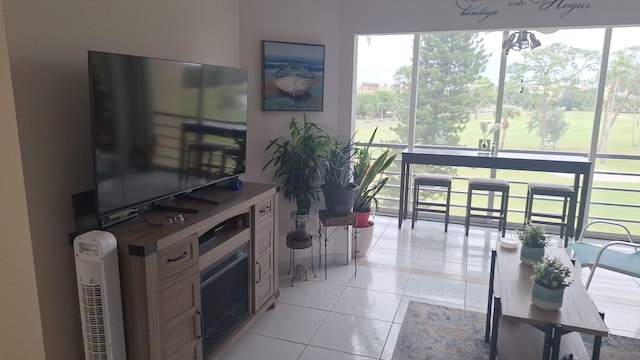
<point x="174" y="209"/>
<point x="198" y="198"/>
<point x="160" y="268"/>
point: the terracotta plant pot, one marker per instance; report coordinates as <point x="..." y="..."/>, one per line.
<point x="362" y="218"/>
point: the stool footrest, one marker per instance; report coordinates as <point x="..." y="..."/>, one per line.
<point x="493" y="217"/>
<point x="438" y="211"/>
<point x="547" y="215"/>
<point x="542" y="222"/>
<point x="473" y="208"/>
<point x="427" y="203"/>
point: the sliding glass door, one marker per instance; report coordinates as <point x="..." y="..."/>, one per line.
<point x="544" y="97"/>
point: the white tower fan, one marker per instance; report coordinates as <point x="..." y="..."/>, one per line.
<point x="98" y="278"/>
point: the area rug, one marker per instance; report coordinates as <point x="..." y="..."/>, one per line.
<point x="615" y="347"/>
<point x="434" y="332"/>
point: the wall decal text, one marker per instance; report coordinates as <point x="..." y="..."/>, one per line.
<point x="484" y="9"/>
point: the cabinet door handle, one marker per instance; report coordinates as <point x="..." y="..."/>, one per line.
<point x="199" y="325"/>
<point x="259" y="272"/>
<point x="266" y="210"/>
<point x="178" y="258"/>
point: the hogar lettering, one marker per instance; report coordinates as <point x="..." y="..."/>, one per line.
<point x="565" y="6"/>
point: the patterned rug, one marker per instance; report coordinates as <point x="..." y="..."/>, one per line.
<point x="433" y="332"/>
<point x="615" y="347"/>
<point x="436" y="332"/>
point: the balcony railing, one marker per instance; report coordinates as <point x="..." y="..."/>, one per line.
<point x="608" y="202"/>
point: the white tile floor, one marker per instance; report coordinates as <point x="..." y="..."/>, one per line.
<point x="344" y="317"/>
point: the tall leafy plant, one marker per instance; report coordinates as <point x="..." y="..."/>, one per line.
<point x="298" y="162"/>
<point x="368" y="175"/>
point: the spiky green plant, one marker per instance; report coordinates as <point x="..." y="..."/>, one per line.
<point x="338" y="169"/>
<point x="368" y="175"/>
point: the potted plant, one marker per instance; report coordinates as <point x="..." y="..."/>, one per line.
<point x="367" y="174"/>
<point x="339" y="190"/>
<point x="298" y="164"/>
<point x="533" y="241"/>
<point x="550" y="278"/>
<point x="484" y="144"/>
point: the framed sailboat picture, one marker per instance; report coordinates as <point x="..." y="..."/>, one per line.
<point x="292" y="76"/>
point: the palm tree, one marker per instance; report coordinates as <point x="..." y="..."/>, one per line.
<point x="508" y="112"/>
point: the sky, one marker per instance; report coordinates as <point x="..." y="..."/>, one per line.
<point x="379" y="61"/>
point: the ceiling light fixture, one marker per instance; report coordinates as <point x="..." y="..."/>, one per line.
<point x="534" y="41"/>
<point x="520" y="40"/>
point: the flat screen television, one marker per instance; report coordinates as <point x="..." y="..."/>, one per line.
<point x="162" y="128"/>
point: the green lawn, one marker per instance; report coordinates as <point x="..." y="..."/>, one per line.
<point x="576" y="139"/>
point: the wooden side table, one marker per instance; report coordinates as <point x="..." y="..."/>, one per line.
<point x="347" y="221"/>
<point x="517" y="329"/>
<point x="293" y="245"/>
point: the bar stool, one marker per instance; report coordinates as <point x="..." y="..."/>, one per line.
<point x="487" y="184"/>
<point x="203" y="158"/>
<point x="431" y="180"/>
<point x="569" y="202"/>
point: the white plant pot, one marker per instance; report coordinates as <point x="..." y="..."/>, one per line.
<point x="365" y="238"/>
<point x="546" y="299"/>
<point x="530" y="255"/>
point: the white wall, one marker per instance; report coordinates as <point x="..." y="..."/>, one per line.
<point x="20" y="330"/>
<point x="310" y="22"/>
<point x="48" y="43"/>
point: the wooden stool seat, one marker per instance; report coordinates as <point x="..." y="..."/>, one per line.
<point x="490" y="185"/>
<point x="431" y="180"/>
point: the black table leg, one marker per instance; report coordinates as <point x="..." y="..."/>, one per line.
<point x="548" y="342"/>
<point x="557" y="336"/>
<point x="497" y="312"/>
<point x="404" y="180"/>
<point x="583" y="202"/>
<point x="597" y="342"/>
<point x="293" y="261"/>
<point x="487" y="327"/>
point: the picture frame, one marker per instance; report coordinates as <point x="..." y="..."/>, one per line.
<point x="292" y="76"/>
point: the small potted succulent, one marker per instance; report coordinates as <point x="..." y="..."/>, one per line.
<point x="533" y="241"/>
<point x="550" y="278"/>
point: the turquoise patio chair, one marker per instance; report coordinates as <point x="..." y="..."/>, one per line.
<point x="606" y="257"/>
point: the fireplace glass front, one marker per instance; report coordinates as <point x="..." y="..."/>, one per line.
<point x="224" y="297"/>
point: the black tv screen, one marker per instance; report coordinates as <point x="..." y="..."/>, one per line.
<point x="163" y="127"/>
